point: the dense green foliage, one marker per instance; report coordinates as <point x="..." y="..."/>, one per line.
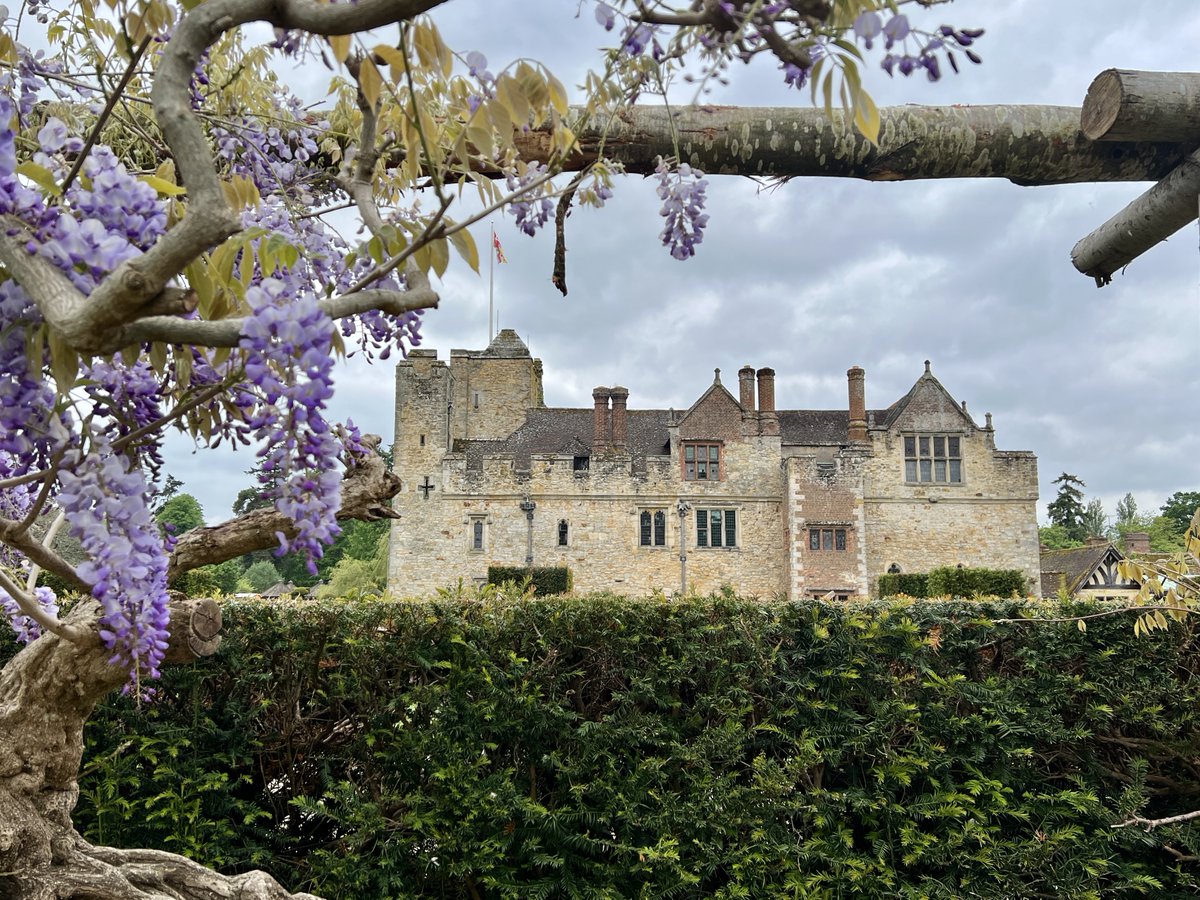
<point x="544" y="580"/>
<point x="951" y="581"/>
<point x="1180" y="507"/>
<point x="180" y="514"/>
<point x="719" y="747"/>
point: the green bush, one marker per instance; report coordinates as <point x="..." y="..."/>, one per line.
<point x="955" y="582"/>
<point x="719" y="747"/>
<point x="911" y="584"/>
<point x="545" y="580"/>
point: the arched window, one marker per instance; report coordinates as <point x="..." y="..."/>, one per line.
<point x="563" y="530"/>
<point x="660" y="529"/>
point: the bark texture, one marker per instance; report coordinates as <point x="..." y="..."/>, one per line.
<point x="1150" y="219"/>
<point x="1028" y="145"/>
<point x="366" y="489"/>
<point x="1126" y="105"/>
<point x="47" y="693"/>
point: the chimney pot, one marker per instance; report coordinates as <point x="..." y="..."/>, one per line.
<point x="856" y="382"/>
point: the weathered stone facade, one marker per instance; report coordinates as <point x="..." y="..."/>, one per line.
<point x="729" y="492"/>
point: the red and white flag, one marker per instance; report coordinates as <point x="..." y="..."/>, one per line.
<point x="500" y="257"/>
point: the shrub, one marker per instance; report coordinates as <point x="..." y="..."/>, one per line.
<point x="955" y="582"/>
<point x="545" y="580"/>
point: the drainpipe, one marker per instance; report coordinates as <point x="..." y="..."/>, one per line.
<point x="527" y="507"/>
<point x="682" y="507"/>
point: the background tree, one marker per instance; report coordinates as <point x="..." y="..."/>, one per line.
<point x="1067" y="510"/>
<point x="260" y="576"/>
<point x="1127" y="511"/>
<point x="1180" y="507"/>
<point x="181" y="513"/>
<point x="1093" y="521"/>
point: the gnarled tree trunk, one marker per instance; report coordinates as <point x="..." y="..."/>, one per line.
<point x="47" y="693"/>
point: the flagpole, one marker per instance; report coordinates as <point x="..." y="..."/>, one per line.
<point x="491" y="280"/>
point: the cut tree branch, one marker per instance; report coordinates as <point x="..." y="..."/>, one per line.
<point x="1125" y="105"/>
<point x="1149" y="220"/>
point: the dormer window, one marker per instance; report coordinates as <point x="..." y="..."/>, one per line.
<point x="701" y="461"/>
<point x="933" y="458"/>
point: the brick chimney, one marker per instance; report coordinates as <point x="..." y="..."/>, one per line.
<point x="1137" y="542"/>
<point x="766" y="390"/>
<point x="600" y="431"/>
<point x="746" y="384"/>
<point x="620" y="427"/>
<point x="856" y="379"/>
<point x="768" y="418"/>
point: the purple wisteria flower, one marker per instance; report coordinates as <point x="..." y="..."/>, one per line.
<point x="683" y="208"/>
<point x="107" y="504"/>
<point x="532" y="209"/>
<point x="288" y="342"/>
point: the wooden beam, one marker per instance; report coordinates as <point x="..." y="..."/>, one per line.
<point x="1028" y="145"/>
<point x="1150" y="219"/>
<point x="1126" y="105"/>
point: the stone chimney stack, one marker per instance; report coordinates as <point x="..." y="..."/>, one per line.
<point x="746" y="383"/>
<point x="601" y="437"/>
<point x="620" y="427"/>
<point x="856" y="379"/>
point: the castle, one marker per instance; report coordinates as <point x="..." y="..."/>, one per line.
<point x="731" y="491"/>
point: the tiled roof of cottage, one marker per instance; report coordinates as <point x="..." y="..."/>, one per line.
<point x="819" y="426"/>
<point x="1068" y="569"/>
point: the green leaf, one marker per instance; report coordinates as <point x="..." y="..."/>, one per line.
<point x="40" y="176"/>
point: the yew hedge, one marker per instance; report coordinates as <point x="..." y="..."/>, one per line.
<point x="720" y="747"/>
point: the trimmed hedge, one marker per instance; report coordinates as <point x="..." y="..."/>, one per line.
<point x="719" y="747"/>
<point x="955" y="582"/>
<point x="544" y="580"/>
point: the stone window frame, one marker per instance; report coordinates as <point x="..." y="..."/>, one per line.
<point x="563" y="533"/>
<point x="477" y="532"/>
<point x="650" y="517"/>
<point x="837" y="536"/>
<point x="725" y="512"/>
<point x="713" y="457"/>
<point x="930" y="454"/>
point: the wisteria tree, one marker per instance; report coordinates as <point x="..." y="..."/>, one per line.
<point x="175" y="255"/>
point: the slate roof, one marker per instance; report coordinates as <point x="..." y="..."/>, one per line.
<point x="568" y="432"/>
<point x="819" y="426"/>
<point x="1070" y="568"/>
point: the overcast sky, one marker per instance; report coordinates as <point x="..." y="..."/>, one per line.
<point x="822" y="274"/>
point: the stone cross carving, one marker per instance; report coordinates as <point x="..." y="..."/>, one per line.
<point x="426" y="487"/>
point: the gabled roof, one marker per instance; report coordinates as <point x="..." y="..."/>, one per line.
<point x="1071" y="569"/>
<point x="715" y="388"/>
<point x="926" y="383"/>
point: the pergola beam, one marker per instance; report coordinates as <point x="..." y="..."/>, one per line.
<point x="1028" y="145"/>
<point x="1157" y="106"/>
